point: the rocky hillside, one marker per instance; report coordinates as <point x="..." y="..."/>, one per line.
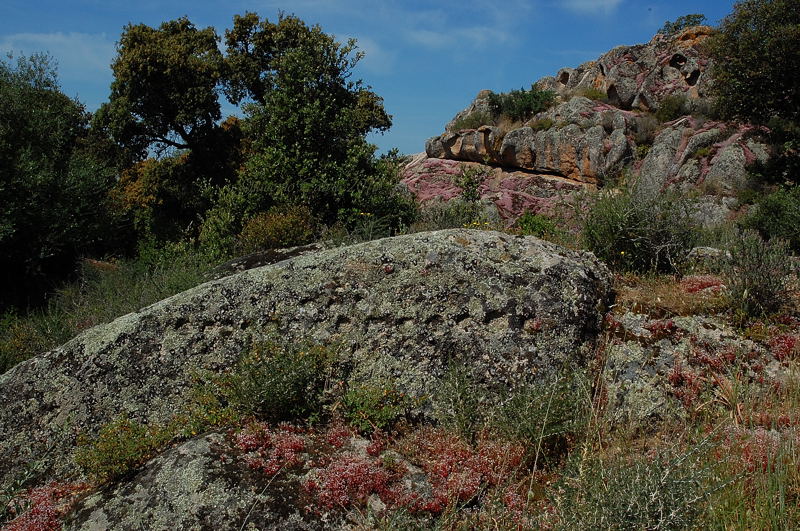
<point x="641" y="109"/>
<point x="461" y="378"/>
<point x="400" y="310"/>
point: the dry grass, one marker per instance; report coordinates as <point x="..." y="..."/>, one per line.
<point x="670" y="296"/>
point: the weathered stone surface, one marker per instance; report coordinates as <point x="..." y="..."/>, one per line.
<point x="634" y="78"/>
<point x="586" y="141"/>
<point x="400" y="308"/>
<point x="646" y="352"/>
<point x="191" y="487"/>
<point x="711" y="155"/>
<point x="512" y="192"/>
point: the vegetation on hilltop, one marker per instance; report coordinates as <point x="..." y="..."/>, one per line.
<point x="159" y="181"/>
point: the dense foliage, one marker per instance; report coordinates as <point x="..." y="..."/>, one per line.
<point x="53" y="181"/>
<point x="777" y="215"/>
<point x="757" y="55"/>
<point x="681" y="23"/>
<point x="637" y="231"/>
<point x="757" y="49"/>
<point x="160" y="158"/>
<point x="521" y="104"/>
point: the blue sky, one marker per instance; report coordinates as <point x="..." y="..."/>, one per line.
<point x="427" y="59"/>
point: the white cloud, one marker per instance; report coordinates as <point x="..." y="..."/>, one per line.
<point x="589" y="7"/>
<point x="80" y="56"/>
<point x="377" y="59"/>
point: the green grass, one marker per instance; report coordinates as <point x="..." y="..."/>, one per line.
<point x="103" y="292"/>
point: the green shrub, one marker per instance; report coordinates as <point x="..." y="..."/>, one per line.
<point x="457" y="403"/>
<point x="279" y="227"/>
<point x="469" y="179"/>
<point x="783" y="166"/>
<point x="666" y="491"/>
<point x="375" y="405"/>
<point x="645" y="127"/>
<point x="681" y="23"/>
<point x="120" y="446"/>
<point x="542" y="124"/>
<point x="757" y="274"/>
<point x="638" y="231"/>
<point x="592" y="93"/>
<point x="521" y="104"/>
<point x="452" y="214"/>
<point x="531" y="224"/>
<point x="276" y="381"/>
<point x="777" y="215"/>
<point x="549" y="416"/>
<point x="473" y="120"/>
<point x="672" y="107"/>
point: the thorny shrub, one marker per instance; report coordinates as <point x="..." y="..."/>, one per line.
<point x="757" y="274"/>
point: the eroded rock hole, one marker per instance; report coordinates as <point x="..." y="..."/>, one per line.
<point x="602" y="69"/>
<point x="613" y="96"/>
<point x="692" y="78"/>
<point x="677" y="61"/>
<point x="564" y="78"/>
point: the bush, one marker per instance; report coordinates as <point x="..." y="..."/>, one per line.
<point x="666" y="491"/>
<point x="521" y="104"/>
<point x="542" y="124"/>
<point x="453" y="214"/>
<point x="549" y="416"/>
<point x="681" y="23"/>
<point x="777" y="215"/>
<point x="276" y="381"/>
<point x="469" y="179"/>
<point x="457" y="404"/>
<point x="672" y="107"/>
<point x="592" y="93"/>
<point x="639" y="232"/>
<point x="645" y="128"/>
<point x="375" y="405"/>
<point x="473" y="120"/>
<point x="757" y="273"/>
<point x="280" y="227"/>
<point x="783" y="167"/>
<point x="120" y="446"/>
<point x="531" y="224"/>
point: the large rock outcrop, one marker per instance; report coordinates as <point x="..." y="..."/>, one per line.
<point x="403" y="308"/>
<point x="582" y="140"/>
<point x="510" y="192"/>
<point x="707" y="155"/>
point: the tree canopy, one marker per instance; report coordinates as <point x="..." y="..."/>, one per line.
<point x="166" y="87"/>
<point x="52" y="184"/>
<point x="757" y="57"/>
